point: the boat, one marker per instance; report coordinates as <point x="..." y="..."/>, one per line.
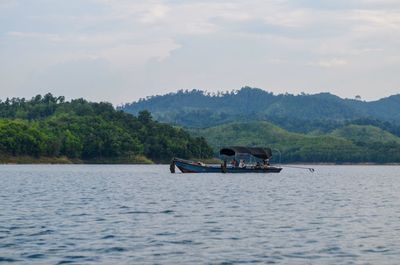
<point x="252" y="160"/>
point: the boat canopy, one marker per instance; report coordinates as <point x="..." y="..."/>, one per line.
<point x="259" y="152"/>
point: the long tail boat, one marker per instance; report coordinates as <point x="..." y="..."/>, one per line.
<point x="257" y="161"/>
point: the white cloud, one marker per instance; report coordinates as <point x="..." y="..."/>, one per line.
<point x="8" y="3"/>
<point x="138" y="54"/>
<point x="329" y="63"/>
<point x="34" y="35"/>
<point x="375" y="21"/>
<point x="155" y="14"/>
<point x="206" y="44"/>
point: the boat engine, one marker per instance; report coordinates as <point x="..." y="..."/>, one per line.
<point x="172" y="166"/>
<point x="223" y="167"/>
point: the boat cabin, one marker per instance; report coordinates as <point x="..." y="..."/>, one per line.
<point x="242" y="157"/>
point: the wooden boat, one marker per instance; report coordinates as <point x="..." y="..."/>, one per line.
<point x="259" y="158"/>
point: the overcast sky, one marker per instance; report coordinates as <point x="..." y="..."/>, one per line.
<point x="120" y="50"/>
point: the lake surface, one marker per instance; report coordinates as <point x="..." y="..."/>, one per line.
<point x="144" y="215"/>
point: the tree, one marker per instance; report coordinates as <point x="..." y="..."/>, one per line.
<point x="145" y="117"/>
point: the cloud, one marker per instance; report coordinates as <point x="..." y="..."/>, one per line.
<point x="330" y="63"/>
<point x="172" y="44"/>
<point x="155" y="14"/>
<point x="137" y="54"/>
<point x="34" y="35"/>
<point x="4" y="4"/>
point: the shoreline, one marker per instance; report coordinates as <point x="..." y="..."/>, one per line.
<point x="142" y="160"/>
<point x="62" y="162"/>
<point x="28" y="160"/>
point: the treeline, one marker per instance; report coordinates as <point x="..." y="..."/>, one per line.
<point x="321" y="126"/>
<point x="51" y="126"/>
<point x="349" y="144"/>
<point x="298" y="113"/>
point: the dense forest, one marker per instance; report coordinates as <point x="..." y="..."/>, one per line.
<point x="305" y="128"/>
<point x="349" y="144"/>
<point x="81" y="131"/>
<point x="48" y="126"/>
<point x="297" y="113"/>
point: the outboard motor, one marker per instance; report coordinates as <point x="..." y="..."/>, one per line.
<point x="223" y="167"/>
<point x="172" y="166"/>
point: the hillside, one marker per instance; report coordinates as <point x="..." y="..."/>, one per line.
<point x="78" y="130"/>
<point x="365" y="134"/>
<point x="343" y="145"/>
<point x="298" y="113"/>
<point x="48" y="128"/>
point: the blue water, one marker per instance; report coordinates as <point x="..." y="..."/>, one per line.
<point x="145" y="215"/>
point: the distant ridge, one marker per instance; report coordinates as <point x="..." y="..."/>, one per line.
<point x="198" y="109"/>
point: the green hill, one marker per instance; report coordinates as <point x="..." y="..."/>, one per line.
<point x="47" y="127"/>
<point x="50" y="127"/>
<point x="365" y="134"/>
<point x="298" y="113"/>
<point x="336" y="147"/>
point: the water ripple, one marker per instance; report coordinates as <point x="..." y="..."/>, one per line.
<point x="144" y="215"/>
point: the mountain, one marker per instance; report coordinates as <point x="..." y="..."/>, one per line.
<point x="305" y="128"/>
<point x="298" y="113"/>
<point x="48" y="126"/>
<point x="352" y="144"/>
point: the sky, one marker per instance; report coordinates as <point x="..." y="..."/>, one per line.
<point x="120" y="50"/>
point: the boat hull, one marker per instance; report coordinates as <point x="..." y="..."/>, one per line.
<point x="186" y="166"/>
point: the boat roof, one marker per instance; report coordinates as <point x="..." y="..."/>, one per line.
<point x="259" y="152"/>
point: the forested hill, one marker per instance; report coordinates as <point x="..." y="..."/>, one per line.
<point x="349" y="144"/>
<point x="302" y="113"/>
<point x="48" y="126"/>
<point x="305" y="128"/>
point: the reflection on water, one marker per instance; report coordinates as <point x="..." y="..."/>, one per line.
<point x="145" y="215"/>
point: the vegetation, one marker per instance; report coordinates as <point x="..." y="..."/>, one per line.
<point x="319" y="113"/>
<point x="365" y="134"/>
<point x="49" y="127"/>
<point x="350" y="144"/>
<point x="306" y="128"/>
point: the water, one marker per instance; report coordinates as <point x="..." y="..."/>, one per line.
<point x="145" y="215"/>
